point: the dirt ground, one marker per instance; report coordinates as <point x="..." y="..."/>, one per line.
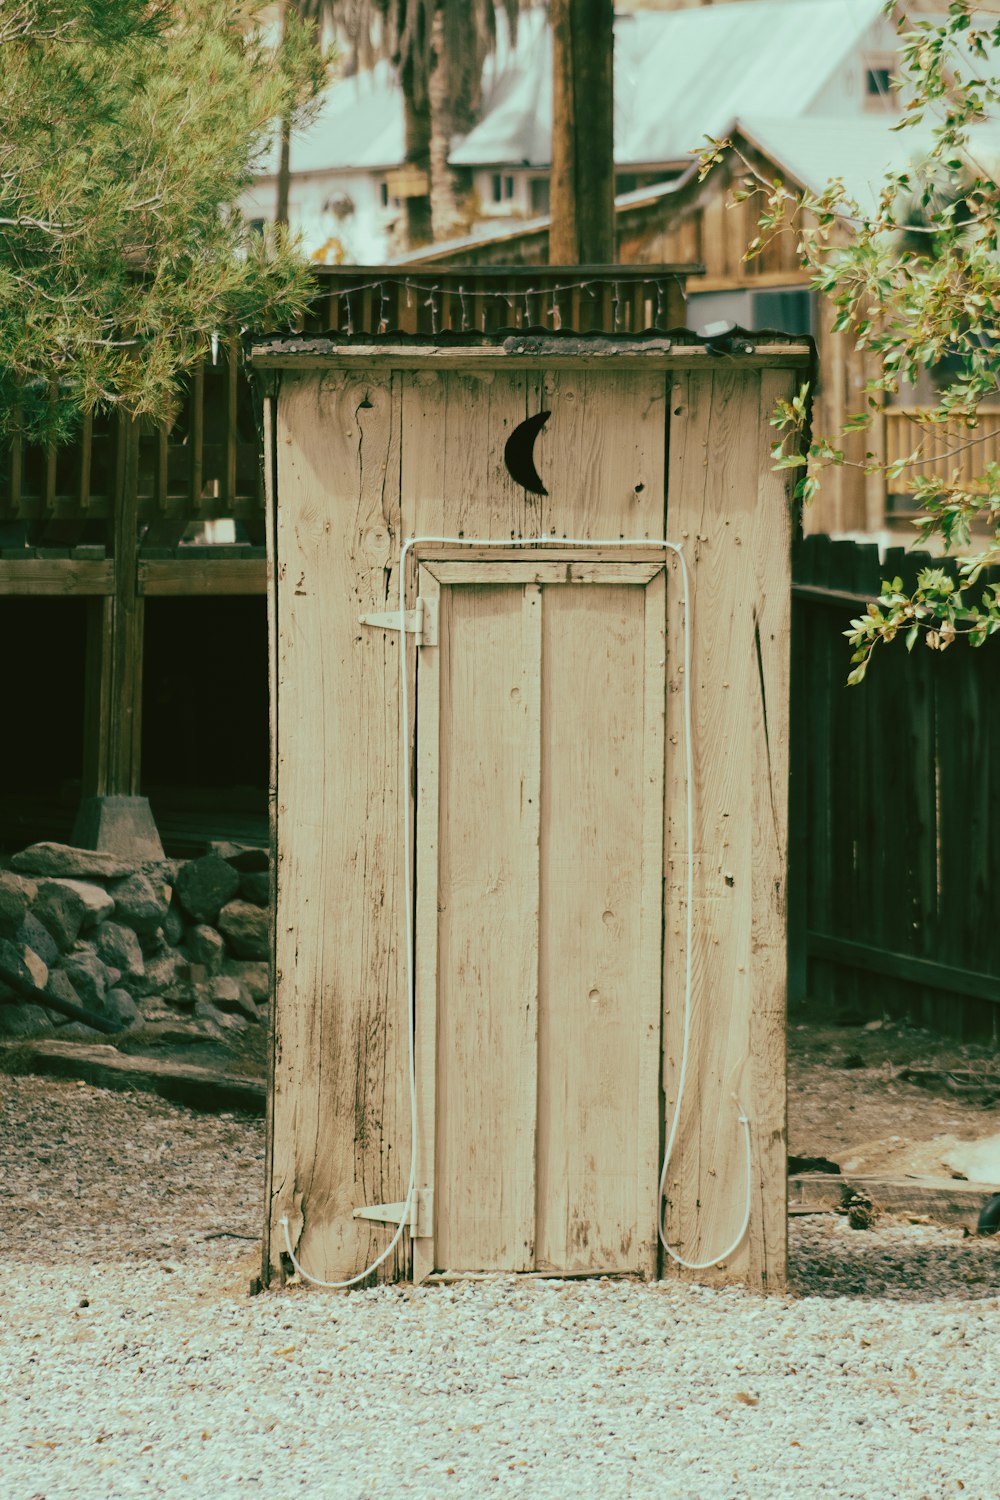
<point x="847" y="1102"/>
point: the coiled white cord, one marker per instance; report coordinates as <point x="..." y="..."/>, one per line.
<point x="536" y="541"/>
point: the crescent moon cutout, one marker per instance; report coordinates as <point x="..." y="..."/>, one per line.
<point x="519" y="453"/>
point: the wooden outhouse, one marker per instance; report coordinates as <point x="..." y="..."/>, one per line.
<point x="531" y="887"/>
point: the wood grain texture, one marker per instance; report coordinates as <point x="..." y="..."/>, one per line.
<point x="340" y="1112"/>
<point x="59" y="577"/>
<point x="605" y="479"/>
<point x="487" y="897"/>
<point x="599" y="963"/>
<point x="425" y="917"/>
<point x="735" y="528"/>
<point x="364" y="458"/>
<point x="225" y="575"/>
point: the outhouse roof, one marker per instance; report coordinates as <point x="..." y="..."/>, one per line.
<point x="532" y="348"/>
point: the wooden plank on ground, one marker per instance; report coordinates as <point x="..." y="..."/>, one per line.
<point x="209" y="1090"/>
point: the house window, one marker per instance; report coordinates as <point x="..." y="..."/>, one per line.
<point x="503" y="188"/>
<point x="879" y="93"/>
<point x="383" y="192"/>
<point x="539" y="195"/>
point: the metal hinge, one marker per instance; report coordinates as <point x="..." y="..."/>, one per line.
<point x="420" y="622"/>
<point x="419" y="1220"/>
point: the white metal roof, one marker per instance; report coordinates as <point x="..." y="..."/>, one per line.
<point x="359" y="127"/>
<point x="679" y="75"/>
<point x="860" y="152"/>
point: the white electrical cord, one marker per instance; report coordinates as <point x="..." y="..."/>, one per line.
<point x="536" y="541"/>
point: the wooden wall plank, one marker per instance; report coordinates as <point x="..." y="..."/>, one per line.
<point x="455" y="428"/>
<point x="425" y="920"/>
<point x="604" y="476"/>
<point x="340" y="1111"/>
<point x="487" y="895"/>
<point x="735" y="530"/>
<point x="597" y="1130"/>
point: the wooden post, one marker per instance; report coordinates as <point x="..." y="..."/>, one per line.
<point x="112" y="815"/>
<point x="583" y="170"/>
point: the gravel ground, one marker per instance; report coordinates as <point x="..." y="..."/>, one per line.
<point x="133" y="1363"/>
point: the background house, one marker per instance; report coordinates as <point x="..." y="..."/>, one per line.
<point x="680" y="75"/>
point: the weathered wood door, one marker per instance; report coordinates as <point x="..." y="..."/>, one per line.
<point x="538" y="914"/>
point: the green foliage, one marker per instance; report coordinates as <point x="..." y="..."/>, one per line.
<point x="130" y="129"/>
<point x="916" y="281"/>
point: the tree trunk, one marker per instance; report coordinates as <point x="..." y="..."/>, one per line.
<point x="417" y="126"/>
<point x="445" y="219"/>
<point x="284" y="162"/>
<point x="284" y="172"/>
<point x="583" y="172"/>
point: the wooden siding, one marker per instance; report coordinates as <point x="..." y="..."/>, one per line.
<point x="363" y="457"/>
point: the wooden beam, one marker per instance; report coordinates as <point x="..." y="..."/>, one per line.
<point x="62" y="577"/>
<point x="926" y="971"/>
<point x="179" y="578"/>
<point x="537" y="354"/>
<point x="583" y="173"/>
<point x="113" y="708"/>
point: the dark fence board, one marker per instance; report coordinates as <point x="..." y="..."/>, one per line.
<point x="894" y="864"/>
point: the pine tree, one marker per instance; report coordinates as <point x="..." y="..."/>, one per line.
<point x="130" y="127"/>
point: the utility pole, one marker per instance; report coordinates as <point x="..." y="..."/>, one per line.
<point x="582" y="194"/>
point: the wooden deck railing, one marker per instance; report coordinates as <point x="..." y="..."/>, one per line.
<point x="952" y="452"/>
<point x="205" y="464"/>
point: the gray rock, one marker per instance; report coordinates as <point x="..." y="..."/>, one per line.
<point x="180" y="996"/>
<point x="173" y="927"/>
<point x="243" y="857"/>
<point x="61" y="910"/>
<point x="207" y="947"/>
<point x="62" y="859"/>
<point x="118" y="947"/>
<point x="161" y="1028"/>
<point x="256" y="887"/>
<point x="160" y="973"/>
<point x="245" y="929"/>
<point x="37" y="967"/>
<point x="208" y="1016"/>
<point x="97" y="904"/>
<point x="121" y="1008"/>
<point x="61" y="987"/>
<point x="89" y="978"/>
<point x="24" y="1021"/>
<point x="227" y="994"/>
<point x="16" y="895"/>
<point x="79" y="1031"/>
<point x="34" y="935"/>
<point x="253" y="974"/>
<point x="14" y="972"/>
<point x="205" y="885"/>
<point x="141" y="903"/>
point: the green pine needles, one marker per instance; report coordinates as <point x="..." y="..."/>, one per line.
<point x="130" y="127"/>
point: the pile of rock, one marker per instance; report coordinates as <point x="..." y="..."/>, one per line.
<point x="91" y="943"/>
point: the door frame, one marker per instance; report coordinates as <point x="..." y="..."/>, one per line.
<point x="456" y="569"/>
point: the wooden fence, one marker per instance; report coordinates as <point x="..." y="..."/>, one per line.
<point x="895" y="857"/>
